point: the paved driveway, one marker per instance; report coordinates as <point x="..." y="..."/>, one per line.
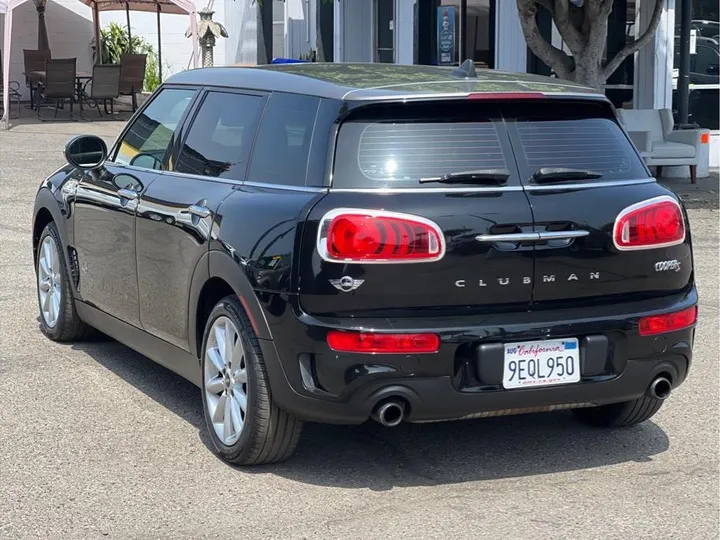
<point x="97" y="441"/>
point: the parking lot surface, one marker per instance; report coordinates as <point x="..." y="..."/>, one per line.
<point x="97" y="441"/>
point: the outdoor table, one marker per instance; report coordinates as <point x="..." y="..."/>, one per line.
<point x="36" y="77"/>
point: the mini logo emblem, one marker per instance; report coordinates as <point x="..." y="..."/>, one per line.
<point x="665" y="266"/>
<point x="346" y="283"/>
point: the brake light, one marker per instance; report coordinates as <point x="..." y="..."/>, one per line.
<point x="506" y="95"/>
<point x="669" y="322"/>
<point x="369" y="342"/>
<point x="378" y="236"/>
<point x="650" y="224"/>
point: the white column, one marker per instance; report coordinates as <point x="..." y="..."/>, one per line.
<point x="510" y="45"/>
<point x="404" y="31"/>
<point x="338" y="25"/>
<point x="654" y="62"/>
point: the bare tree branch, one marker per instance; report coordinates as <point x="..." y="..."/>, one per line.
<point x="560" y="62"/>
<point x="569" y="32"/>
<point x="636" y="45"/>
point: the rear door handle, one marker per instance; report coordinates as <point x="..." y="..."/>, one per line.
<point x="199" y="211"/>
<point x="129" y="194"/>
<point x="531" y="236"/>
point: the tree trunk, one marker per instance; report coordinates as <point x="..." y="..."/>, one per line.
<point x="264" y="32"/>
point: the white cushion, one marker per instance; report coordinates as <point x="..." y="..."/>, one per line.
<point x="673" y="150"/>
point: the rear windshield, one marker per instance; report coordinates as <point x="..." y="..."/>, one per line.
<point x="394" y="147"/>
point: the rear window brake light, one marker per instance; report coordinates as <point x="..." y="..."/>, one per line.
<point x="506" y="95"/>
<point x="356" y="235"/>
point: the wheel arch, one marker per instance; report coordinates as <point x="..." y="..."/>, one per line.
<point x="216" y="277"/>
<point x="47" y="209"/>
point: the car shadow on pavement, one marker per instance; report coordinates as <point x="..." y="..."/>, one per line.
<point x="374" y="457"/>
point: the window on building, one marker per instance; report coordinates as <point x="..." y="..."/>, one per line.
<point x="221" y="136"/>
<point x="148" y="138"/>
<point x="283" y="142"/>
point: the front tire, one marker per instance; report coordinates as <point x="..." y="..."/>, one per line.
<point x="58" y="317"/>
<point x="245" y="426"/>
<point x="625" y="414"/>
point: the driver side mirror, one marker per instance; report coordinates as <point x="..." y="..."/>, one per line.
<point x="86" y="152"/>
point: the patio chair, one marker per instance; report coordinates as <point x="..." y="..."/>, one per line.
<point x="104" y="86"/>
<point x="34" y="61"/>
<point x="132" y="75"/>
<point x="59" y="84"/>
<point x="14" y="90"/>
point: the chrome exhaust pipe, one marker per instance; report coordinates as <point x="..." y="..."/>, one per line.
<point x="389" y="413"/>
<point x="660" y="388"/>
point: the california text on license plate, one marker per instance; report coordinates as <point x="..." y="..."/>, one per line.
<point x="541" y="363"/>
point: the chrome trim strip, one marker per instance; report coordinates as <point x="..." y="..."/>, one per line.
<point x="562" y="235"/>
<point x="590" y="185"/>
<point x="511" y="237"/>
<point x="390" y="191"/>
<point x="307" y="189"/>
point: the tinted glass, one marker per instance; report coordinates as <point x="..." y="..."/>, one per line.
<point x="706" y="57"/>
<point x="148" y="138"/>
<point x="283" y="143"/>
<point x="397" y="149"/>
<point x="571" y="135"/>
<point x="221" y="136"/>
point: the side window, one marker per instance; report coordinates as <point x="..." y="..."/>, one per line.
<point x="283" y="143"/>
<point x="150" y="135"/>
<point x="706" y="58"/>
<point x="220" y="138"/>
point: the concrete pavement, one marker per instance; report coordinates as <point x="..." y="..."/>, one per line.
<point x="96" y="441"/>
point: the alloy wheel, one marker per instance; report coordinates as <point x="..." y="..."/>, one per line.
<point x="49" y="281"/>
<point x="225" y="376"/>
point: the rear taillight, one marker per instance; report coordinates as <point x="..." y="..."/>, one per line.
<point x="369" y="342"/>
<point x="650" y="224"/>
<point x="669" y="322"/>
<point x="377" y="236"/>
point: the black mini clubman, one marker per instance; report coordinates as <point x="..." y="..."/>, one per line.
<point x="339" y="242"/>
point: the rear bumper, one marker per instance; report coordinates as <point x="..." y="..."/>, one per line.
<point x="464" y="379"/>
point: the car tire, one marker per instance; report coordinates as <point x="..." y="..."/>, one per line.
<point x="59" y="319"/>
<point x="625" y="414"/>
<point x="262" y="432"/>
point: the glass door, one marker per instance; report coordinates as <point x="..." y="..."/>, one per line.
<point x="384" y="31"/>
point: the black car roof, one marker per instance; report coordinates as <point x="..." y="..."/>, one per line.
<point x="351" y="81"/>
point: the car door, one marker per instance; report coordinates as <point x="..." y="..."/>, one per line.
<point x="176" y="212"/>
<point x="106" y="201"/>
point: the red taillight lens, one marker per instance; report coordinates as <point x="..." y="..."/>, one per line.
<point x="373" y="236"/>
<point x="650" y="224"/>
<point x="660" y="324"/>
<point x="368" y="342"/>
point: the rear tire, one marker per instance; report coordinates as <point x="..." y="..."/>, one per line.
<point x="233" y="376"/>
<point x="625" y="414"/>
<point x="59" y="319"/>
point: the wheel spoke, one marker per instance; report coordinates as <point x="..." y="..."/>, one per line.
<point x="216" y="359"/>
<point x="215" y="385"/>
<point x="219" y="414"/>
<point x="44" y="266"/>
<point x="237" y="418"/>
<point x="228" y="422"/>
<point x="240" y="376"/>
<point x="240" y="398"/>
<point x="45" y="286"/>
<point x="47" y="257"/>
<point x="238" y="354"/>
<point x="46" y="302"/>
<point x="220" y="340"/>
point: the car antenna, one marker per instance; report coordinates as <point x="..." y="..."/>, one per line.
<point x="466" y="70"/>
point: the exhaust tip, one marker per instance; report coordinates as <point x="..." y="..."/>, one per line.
<point x="390" y="413"/>
<point x="660" y="388"/>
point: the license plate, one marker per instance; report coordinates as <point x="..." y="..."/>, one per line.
<point x="541" y="363"/>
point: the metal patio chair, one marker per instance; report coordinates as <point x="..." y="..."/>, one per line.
<point x="132" y="75"/>
<point x="34" y="60"/>
<point x="59" y="84"/>
<point x="104" y="86"/>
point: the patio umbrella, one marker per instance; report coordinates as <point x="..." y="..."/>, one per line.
<point x="43" y="42"/>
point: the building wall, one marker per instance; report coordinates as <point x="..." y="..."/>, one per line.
<point x="241" y="23"/>
<point x="354" y="31"/>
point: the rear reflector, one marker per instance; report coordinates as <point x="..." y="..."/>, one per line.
<point x="654" y="223"/>
<point x="705" y="138"/>
<point x="506" y="95"/>
<point x="377" y="236"/>
<point x="660" y="324"/>
<point x="368" y="342"/>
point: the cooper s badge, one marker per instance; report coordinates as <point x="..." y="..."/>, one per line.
<point x="346" y="283"/>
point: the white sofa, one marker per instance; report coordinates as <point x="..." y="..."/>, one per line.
<point x="652" y="131"/>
